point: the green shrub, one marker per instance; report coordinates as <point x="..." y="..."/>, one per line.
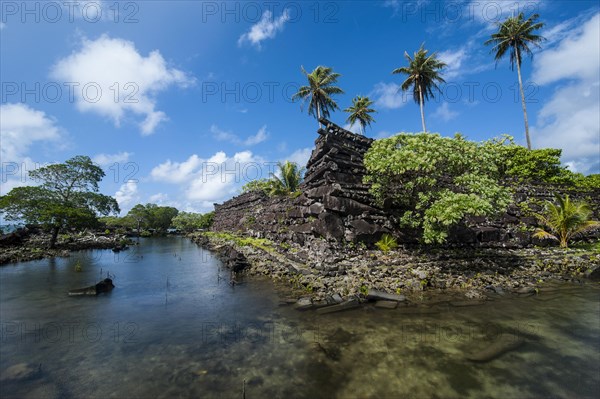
<point x="387" y="243"/>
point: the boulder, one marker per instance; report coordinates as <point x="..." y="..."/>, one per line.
<point x="105" y="285"/>
<point x="380" y="295"/>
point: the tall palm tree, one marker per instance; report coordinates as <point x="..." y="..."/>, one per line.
<point x="291" y="177"/>
<point x="319" y="91"/>
<point x="565" y="219"/>
<point x="514" y="36"/>
<point x="360" y="112"/>
<point x="423" y="73"/>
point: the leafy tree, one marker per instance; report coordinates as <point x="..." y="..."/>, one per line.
<point x="152" y="216"/>
<point x="423" y="73"/>
<point x="514" y="36"/>
<point x="187" y="221"/>
<point x="291" y="177"/>
<point x="319" y="91"/>
<point x="360" y="112"/>
<point x="139" y="214"/>
<point x="436" y="182"/>
<point x="264" y="185"/>
<point x="66" y="198"/>
<point x="565" y="219"/>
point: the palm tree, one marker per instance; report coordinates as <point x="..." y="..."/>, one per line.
<point x="359" y="112"/>
<point x="514" y="36"/>
<point x="319" y="91"/>
<point x="291" y="177"/>
<point x="565" y="219"/>
<point x="422" y="72"/>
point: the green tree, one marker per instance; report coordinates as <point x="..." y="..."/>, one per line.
<point x="514" y="36"/>
<point x="67" y="197"/>
<point x="140" y="216"/>
<point x="360" y="112"/>
<point x="565" y="219"/>
<point x="188" y="221"/>
<point x="436" y="182"/>
<point x="423" y="74"/>
<point x="264" y="185"/>
<point x="291" y="177"/>
<point x="319" y="91"/>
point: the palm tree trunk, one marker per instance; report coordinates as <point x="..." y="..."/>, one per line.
<point x="319" y="115"/>
<point x="422" y="111"/>
<point x="523" y="101"/>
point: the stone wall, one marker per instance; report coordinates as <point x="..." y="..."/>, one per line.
<point x="336" y="205"/>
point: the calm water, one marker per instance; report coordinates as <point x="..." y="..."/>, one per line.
<point x="173" y="327"/>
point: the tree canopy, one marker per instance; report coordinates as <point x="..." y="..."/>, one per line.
<point x="66" y="197"/>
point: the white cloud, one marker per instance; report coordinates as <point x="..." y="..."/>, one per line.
<point x="454" y="60"/>
<point x="388" y="96"/>
<point x="444" y="113"/>
<point x="223" y="135"/>
<point x="22" y="126"/>
<point x="159" y="198"/>
<point x="264" y="29"/>
<point x="127" y="195"/>
<point x="110" y="159"/>
<point x="115" y="80"/>
<point x="300" y="156"/>
<point x="215" y="179"/>
<point x="569" y="120"/>
<point x="575" y="57"/>
<point x="177" y="172"/>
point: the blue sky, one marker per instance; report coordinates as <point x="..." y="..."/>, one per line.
<point x="182" y="102"/>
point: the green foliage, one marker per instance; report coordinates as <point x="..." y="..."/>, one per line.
<point x="422" y="76"/>
<point x="291" y="177"/>
<point x="319" y="91"/>
<point x="263" y="185"/>
<point x="514" y="36"/>
<point x="67" y="197"/>
<point x="188" y="221"/>
<point x="260" y="243"/>
<point x="565" y="219"/>
<point x="387" y="243"/>
<point x="152" y="216"/>
<point x="360" y="112"/>
<point x="436" y="181"/>
<point x="78" y="267"/>
<point x="285" y="182"/>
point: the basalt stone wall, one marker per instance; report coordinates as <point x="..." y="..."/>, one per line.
<point x="336" y="205"/>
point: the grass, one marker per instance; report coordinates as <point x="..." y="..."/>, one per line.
<point x="260" y="243"/>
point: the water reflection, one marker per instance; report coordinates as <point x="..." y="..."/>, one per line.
<point x="174" y="327"/>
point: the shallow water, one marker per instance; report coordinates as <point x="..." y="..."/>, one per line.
<point x="173" y="327"/>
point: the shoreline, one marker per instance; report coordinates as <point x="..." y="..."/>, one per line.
<point x="34" y="246"/>
<point x="405" y="277"/>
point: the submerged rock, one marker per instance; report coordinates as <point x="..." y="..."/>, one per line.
<point x="504" y="344"/>
<point x="105" y="285"/>
<point x="21" y="372"/>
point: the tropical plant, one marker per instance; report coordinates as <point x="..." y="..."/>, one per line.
<point x="387" y="243"/>
<point x="564" y="220"/>
<point x="360" y="112"/>
<point x="291" y="177"/>
<point x="514" y="36"/>
<point x="188" y="221"/>
<point x="423" y="74"/>
<point x="436" y="182"/>
<point x="319" y="91"/>
<point x="66" y="198"/>
<point x="264" y="185"/>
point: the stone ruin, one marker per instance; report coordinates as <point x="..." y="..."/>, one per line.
<point x="336" y="205"/>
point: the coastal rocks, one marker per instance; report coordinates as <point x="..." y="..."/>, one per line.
<point x="105" y="285"/>
<point x="593" y="274"/>
<point x="379" y="295"/>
